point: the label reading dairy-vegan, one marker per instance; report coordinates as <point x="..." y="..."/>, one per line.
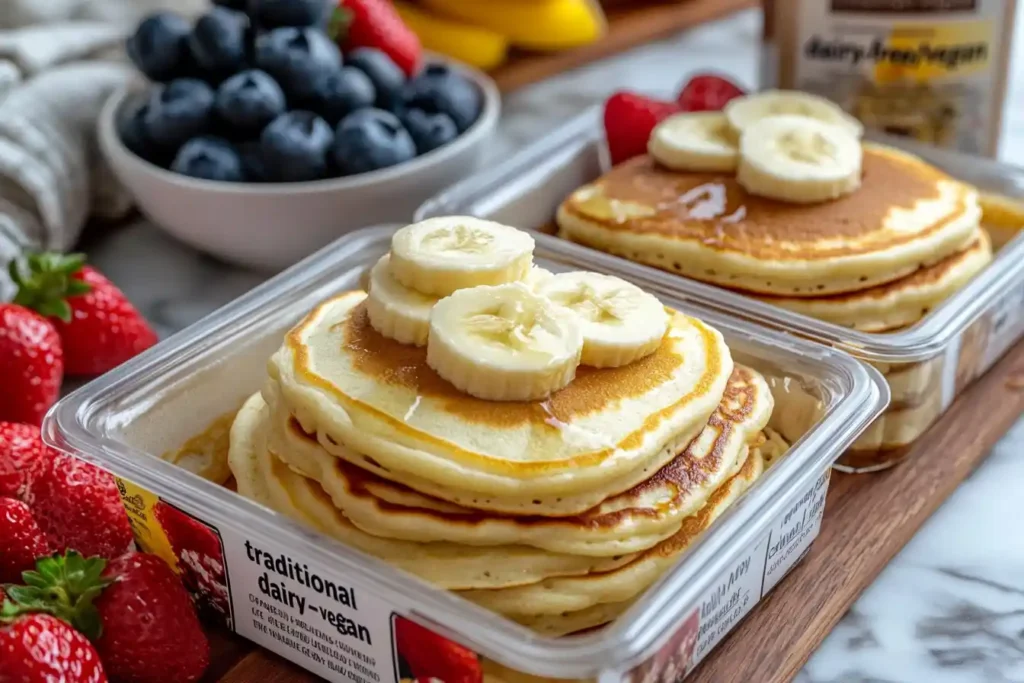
<point x="931" y="71"/>
<point x="308" y="615"/>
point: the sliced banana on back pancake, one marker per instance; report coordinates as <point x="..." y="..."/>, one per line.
<point x="743" y="112"/>
<point x="695" y="141"/>
<point x="798" y="159"/>
<point x="503" y="343"/>
<point x="442" y="255"/>
<point x="621" y="323"/>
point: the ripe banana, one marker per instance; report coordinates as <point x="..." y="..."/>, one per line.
<point x="620" y="322"/>
<point x="445" y="254"/>
<point x="535" y="25"/>
<point x="503" y="343"/>
<point x="742" y="112"/>
<point x="473" y="45"/>
<point x="797" y="159"/>
<point x="537" y="276"/>
<point x="395" y="311"/>
<point x="696" y="141"/>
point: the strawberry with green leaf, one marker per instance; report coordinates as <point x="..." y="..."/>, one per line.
<point x="98" y="326"/>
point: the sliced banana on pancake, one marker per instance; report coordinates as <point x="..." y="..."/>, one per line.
<point x="621" y="323"/>
<point x="799" y="160"/>
<point x="744" y="112"/>
<point x="503" y="343"/>
<point x="695" y="141"/>
<point x="442" y="255"/>
<point x="396" y="311"/>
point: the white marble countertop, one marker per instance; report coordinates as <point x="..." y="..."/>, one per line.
<point x="950" y="607"/>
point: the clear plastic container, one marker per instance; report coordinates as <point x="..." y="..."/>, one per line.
<point x="267" y="576"/>
<point x="927" y="365"/>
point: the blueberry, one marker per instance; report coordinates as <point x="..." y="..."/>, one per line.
<point x="387" y="77"/>
<point x="438" y="90"/>
<point x="253" y="168"/>
<point x="209" y="158"/>
<point x="131" y="128"/>
<point x="237" y="5"/>
<point x="296" y="57"/>
<point x="294" y="147"/>
<point x="249" y="101"/>
<point x="278" y="13"/>
<point x="217" y="43"/>
<point x="159" y="46"/>
<point x="178" y="111"/>
<point x="429" y="131"/>
<point x="370" y="139"/>
<point x="336" y="94"/>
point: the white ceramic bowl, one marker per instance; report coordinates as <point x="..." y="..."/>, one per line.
<point x="273" y="225"/>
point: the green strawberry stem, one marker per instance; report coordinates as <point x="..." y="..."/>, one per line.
<point x="45" y="282"/>
<point x="338" y="25"/>
<point x="64" y="586"/>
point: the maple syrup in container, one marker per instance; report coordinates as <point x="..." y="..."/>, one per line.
<point x="931" y="70"/>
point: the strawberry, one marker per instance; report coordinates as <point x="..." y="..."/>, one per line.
<point x="31" y="364"/>
<point x="629" y="119"/>
<point x="133" y="609"/>
<point x="22" y="453"/>
<point x="21" y="540"/>
<point x="707" y="92"/>
<point x="200" y="559"/>
<point x="375" y="23"/>
<point x="79" y="507"/>
<point x="98" y="326"/>
<point x="432" y="656"/>
<point x="39" y="648"/>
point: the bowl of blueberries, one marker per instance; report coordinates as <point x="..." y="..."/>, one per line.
<point x="257" y="139"/>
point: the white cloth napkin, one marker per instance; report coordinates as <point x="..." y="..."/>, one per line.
<point x="59" y="62"/>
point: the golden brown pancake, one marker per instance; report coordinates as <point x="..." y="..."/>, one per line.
<point x="706" y="226"/>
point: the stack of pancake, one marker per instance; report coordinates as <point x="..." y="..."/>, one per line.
<point x="557" y="511"/>
<point x="877" y="255"/>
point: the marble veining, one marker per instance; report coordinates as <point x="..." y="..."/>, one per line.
<point x="948" y="609"/>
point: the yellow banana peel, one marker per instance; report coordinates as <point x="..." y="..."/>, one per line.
<point x="473" y="45"/>
<point x="532" y="24"/>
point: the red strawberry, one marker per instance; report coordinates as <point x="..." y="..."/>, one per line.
<point x="79" y="506"/>
<point x="375" y="23"/>
<point x="628" y="121"/>
<point x="22" y="453"/>
<point x="707" y="92"/>
<point x="39" y="648"/>
<point x="21" y="540"/>
<point x="432" y="656"/>
<point x="31" y="365"/>
<point x="98" y="326"/>
<point x="198" y="550"/>
<point x="150" y="629"/>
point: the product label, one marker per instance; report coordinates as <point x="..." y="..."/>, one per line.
<point x="923" y="69"/>
<point x="1006" y="325"/>
<point x="306" y="613"/>
<point x="736" y="591"/>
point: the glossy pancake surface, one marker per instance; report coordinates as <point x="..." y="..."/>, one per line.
<point x="362" y="393"/>
<point x="564" y="605"/>
<point x="899" y="303"/>
<point x="705" y="226"/>
<point x="271" y="483"/>
<point x="626" y="523"/>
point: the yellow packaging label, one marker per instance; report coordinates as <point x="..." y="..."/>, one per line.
<point x="149" y="534"/>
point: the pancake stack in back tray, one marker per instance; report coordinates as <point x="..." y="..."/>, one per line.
<point x="545" y="445"/>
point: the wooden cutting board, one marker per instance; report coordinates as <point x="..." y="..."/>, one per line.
<point x="868" y="518"/>
<point x="631" y="23"/>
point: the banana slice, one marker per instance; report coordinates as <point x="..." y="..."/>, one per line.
<point x="537" y="276"/>
<point x="503" y="343"/>
<point x="799" y="160"/>
<point x="697" y="141"/>
<point x="445" y="254"/>
<point x="742" y="112"/>
<point x="395" y="311"/>
<point x="621" y="323"/>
